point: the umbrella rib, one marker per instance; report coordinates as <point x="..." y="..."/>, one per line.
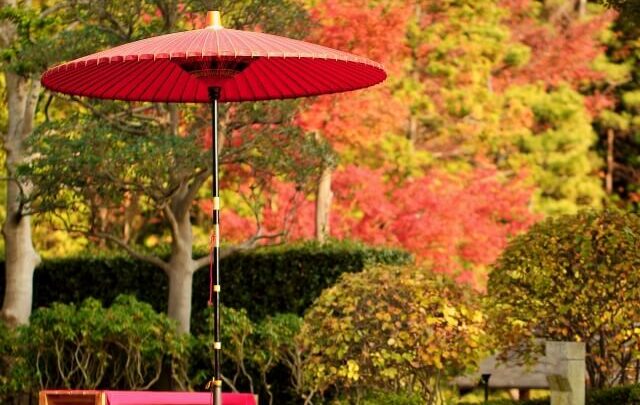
<point x="102" y="71"/>
<point x="188" y="47"/>
<point x="60" y="78"/>
<point x="296" y="73"/>
<point x="215" y="33"/>
<point x="83" y="71"/>
<point x="176" y="40"/>
<point x="246" y="44"/>
<point x="233" y="45"/>
<point x="267" y="73"/>
<point x="359" y="73"/>
<point x="149" y="79"/>
<point x="256" y="43"/>
<point x="173" y="83"/>
<point x="281" y="81"/>
<point x="245" y="77"/>
<point x="141" y="71"/>
<point x="329" y="73"/>
<point x="206" y="47"/>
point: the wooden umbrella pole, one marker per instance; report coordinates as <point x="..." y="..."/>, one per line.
<point x="214" y="95"/>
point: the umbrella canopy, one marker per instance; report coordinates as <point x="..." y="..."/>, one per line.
<point x="245" y="66"/>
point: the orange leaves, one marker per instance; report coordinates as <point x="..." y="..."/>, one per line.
<point x="374" y="31"/>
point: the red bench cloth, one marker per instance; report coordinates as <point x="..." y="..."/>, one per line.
<point x="174" y="398"/>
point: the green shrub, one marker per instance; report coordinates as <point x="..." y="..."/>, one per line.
<point x="125" y="346"/>
<point x="380" y="397"/>
<point x="571" y="277"/>
<point x="395" y="329"/>
<point x="251" y="352"/>
<point x="265" y="281"/>
<point x="537" y="401"/>
<point x="7" y="347"/>
<point x="621" y="395"/>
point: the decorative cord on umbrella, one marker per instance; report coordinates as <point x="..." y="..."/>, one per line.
<point x="212" y="244"/>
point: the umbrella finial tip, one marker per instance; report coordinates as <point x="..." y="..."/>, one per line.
<point x="213" y="20"/>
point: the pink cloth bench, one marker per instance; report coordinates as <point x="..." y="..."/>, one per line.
<point x="174" y="398"/>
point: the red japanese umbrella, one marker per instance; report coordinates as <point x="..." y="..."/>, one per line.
<point x="212" y="65"/>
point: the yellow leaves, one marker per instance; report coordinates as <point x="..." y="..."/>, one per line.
<point x="383" y="316"/>
<point x="438" y="363"/>
<point x="450" y="314"/>
<point x="351" y="371"/>
<point x="432" y="320"/>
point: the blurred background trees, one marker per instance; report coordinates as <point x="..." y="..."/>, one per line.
<point x="495" y="116"/>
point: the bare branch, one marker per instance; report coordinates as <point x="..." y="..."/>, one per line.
<point x="107" y="117"/>
<point x="246" y="245"/>
<point x="171" y="218"/>
<point x="195" y="185"/>
<point x="133" y="252"/>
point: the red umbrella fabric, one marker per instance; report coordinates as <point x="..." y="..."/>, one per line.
<point x="246" y="66"/>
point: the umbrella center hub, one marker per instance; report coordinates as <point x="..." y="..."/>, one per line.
<point x="215" y="72"/>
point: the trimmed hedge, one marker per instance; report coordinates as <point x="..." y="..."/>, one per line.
<point x="265" y="281"/>
<point x="621" y="395"/>
<point x="538" y="401"/>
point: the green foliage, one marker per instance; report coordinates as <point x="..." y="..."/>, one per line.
<point x="397" y="329"/>
<point x="253" y="351"/>
<point x="621" y="395"/>
<point x="556" y="148"/>
<point x="620" y="119"/>
<point x="538" y="401"/>
<point x="381" y="397"/>
<point x="88" y="346"/>
<point x="8" y="384"/>
<point x="629" y="9"/>
<point x="265" y="281"/>
<point x="572" y="278"/>
<point x="283" y="17"/>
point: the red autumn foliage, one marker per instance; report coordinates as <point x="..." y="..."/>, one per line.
<point x="562" y="47"/>
<point x="376" y="32"/>
<point x="456" y="222"/>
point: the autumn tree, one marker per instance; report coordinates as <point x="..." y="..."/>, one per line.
<point x="458" y="223"/>
<point x="352" y="120"/>
<point x="617" y="121"/>
<point x="469" y="60"/>
<point x="571" y="278"/>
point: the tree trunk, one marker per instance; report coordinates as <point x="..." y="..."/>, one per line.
<point x="21" y="257"/>
<point x="610" y="161"/>
<point x="181" y="269"/>
<point x="180" y="293"/>
<point x="323" y="205"/>
<point x="581" y="7"/>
